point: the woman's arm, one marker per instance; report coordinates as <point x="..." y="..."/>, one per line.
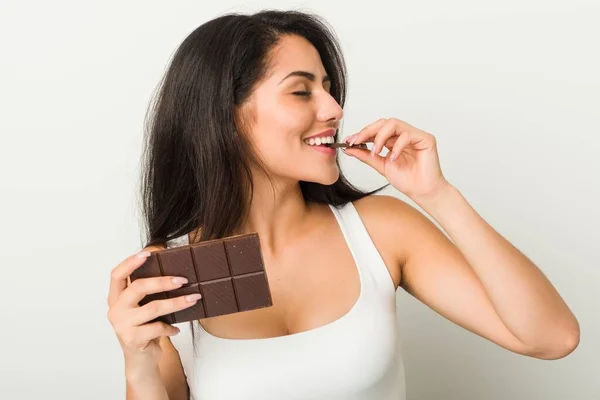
<point x="166" y="382"/>
<point x="478" y="279"/>
<point x="148" y="386"/>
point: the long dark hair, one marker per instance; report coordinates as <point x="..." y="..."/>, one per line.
<point x="196" y="165"/>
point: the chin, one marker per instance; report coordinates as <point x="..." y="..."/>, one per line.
<point x="327" y="177"/>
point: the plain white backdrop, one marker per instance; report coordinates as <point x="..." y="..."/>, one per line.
<point x="511" y="89"/>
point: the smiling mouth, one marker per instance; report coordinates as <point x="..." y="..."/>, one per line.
<point x="320" y="141"/>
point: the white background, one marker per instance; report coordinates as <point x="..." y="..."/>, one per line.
<point x="510" y="89"/>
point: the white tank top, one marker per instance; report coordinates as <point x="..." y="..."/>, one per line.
<point x="356" y="357"/>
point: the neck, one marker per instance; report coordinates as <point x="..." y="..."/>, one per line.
<point x="277" y="212"/>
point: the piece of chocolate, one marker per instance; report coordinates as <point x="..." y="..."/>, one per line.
<point x="354" y="146"/>
<point x="229" y="273"/>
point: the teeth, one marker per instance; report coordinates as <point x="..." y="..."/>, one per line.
<point x="320" y="140"/>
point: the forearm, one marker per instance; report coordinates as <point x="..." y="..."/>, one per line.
<point x="145" y="386"/>
<point x="524" y="299"/>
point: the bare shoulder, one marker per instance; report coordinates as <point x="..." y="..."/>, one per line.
<point x="155" y="247"/>
<point x="395" y="227"/>
<point x="391" y="216"/>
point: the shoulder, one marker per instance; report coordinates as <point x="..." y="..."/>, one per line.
<point x="381" y="205"/>
<point x="394" y="226"/>
<point x="390" y="214"/>
<point x="156" y="247"/>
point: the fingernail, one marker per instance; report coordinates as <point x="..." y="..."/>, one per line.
<point x="394" y="157"/>
<point x="192" y="297"/>
<point x="373" y="151"/>
<point x="179" y="280"/>
<point x="143" y="254"/>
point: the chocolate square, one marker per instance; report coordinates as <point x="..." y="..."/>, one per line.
<point x="148" y="269"/>
<point x="252" y="291"/>
<point x="219" y="297"/>
<point x="244" y="255"/>
<point x="178" y="263"/>
<point x="211" y="261"/>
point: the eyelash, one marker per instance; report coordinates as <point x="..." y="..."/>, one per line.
<point x="302" y="93"/>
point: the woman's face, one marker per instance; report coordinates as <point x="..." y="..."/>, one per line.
<point x="290" y="106"/>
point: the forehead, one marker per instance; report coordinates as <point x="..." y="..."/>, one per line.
<point x="293" y="53"/>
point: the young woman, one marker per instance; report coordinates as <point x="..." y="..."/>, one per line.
<point x="235" y="145"/>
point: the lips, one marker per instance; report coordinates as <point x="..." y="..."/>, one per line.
<point x="324" y="149"/>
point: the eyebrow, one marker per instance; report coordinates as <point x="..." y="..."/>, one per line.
<point x="308" y="75"/>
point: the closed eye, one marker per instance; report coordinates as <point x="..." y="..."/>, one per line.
<point x="302" y="93"/>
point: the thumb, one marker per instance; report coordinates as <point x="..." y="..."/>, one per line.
<point x="375" y="161"/>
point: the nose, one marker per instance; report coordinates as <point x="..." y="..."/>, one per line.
<point x="328" y="109"/>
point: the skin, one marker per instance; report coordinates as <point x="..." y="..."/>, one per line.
<point x="473" y="277"/>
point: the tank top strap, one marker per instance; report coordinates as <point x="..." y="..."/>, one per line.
<point x="367" y="257"/>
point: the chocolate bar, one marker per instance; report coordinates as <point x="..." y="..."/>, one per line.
<point x="354" y="146"/>
<point x="229" y="273"/>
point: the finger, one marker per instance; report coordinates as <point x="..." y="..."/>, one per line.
<point x="157" y="308"/>
<point x="403" y="125"/>
<point x="387" y="131"/>
<point x="145" y="286"/>
<point x="413" y="140"/>
<point x="119" y="274"/>
<point x="403" y="140"/>
<point x="366" y="133"/>
<point x="377" y="162"/>
<point x="147" y="332"/>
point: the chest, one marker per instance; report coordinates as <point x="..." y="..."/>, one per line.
<point x="355" y="358"/>
<point x="312" y="283"/>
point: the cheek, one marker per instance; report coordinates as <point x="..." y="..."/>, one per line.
<point x="282" y="123"/>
